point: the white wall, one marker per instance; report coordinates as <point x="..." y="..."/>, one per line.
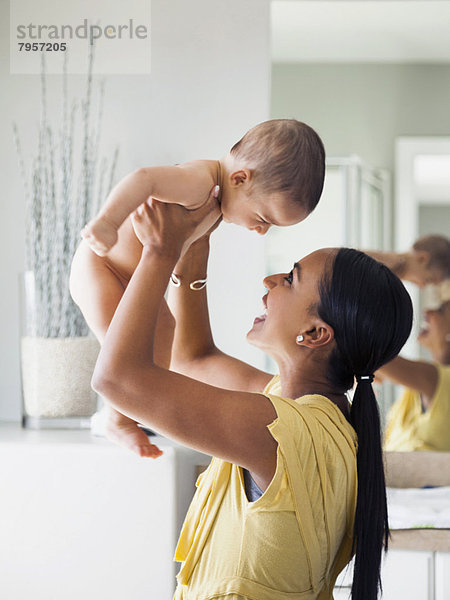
<point x="210" y="82"/>
<point x="361" y="108"/>
<point x="434" y="219"/>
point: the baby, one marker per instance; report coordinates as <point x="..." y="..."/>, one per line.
<point x="273" y="176"/>
<point x="426" y="263"/>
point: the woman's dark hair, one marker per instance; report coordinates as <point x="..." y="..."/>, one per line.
<point x="371" y="314"/>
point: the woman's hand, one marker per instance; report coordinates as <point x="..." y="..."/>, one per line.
<point x="171" y="228"/>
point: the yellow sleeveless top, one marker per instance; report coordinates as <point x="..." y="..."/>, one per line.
<point x="409" y="428"/>
<point x="294" y="540"/>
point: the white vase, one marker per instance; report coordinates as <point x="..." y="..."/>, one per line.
<point x="56" y="370"/>
<point x="56" y="381"/>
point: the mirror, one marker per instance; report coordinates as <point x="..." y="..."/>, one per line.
<point x="422" y="183"/>
<point x="373" y="78"/>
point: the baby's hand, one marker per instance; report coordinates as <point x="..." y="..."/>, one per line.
<point x="100" y="234"/>
<point x="173" y="227"/>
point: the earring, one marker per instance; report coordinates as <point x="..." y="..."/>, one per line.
<point x="299" y="339"/>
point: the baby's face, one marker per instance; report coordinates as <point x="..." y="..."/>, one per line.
<point x="258" y="212"/>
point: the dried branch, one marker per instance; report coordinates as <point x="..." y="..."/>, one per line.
<point x="56" y="208"/>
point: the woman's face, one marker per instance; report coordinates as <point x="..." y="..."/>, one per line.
<point x="257" y="212"/>
<point x="290" y="306"/>
<point x="436" y="328"/>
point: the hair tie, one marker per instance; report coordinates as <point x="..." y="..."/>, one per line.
<point x="364" y="378"/>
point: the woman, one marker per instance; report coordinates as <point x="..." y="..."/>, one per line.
<point x="420" y="419"/>
<point x="318" y="502"/>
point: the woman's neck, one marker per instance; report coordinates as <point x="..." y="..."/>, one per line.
<point x="220" y="171"/>
<point x="297" y="381"/>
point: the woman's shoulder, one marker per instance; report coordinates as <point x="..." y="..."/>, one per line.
<point x="443" y="370"/>
<point x="306" y="416"/>
<point x="273" y="386"/>
<point x="441" y="396"/>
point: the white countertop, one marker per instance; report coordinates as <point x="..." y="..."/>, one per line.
<point x="14" y="433"/>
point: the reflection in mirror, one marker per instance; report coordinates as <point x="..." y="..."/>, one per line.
<point x="420" y="418"/>
<point x="432" y="180"/>
<point x="422" y="204"/>
<point x="381" y="94"/>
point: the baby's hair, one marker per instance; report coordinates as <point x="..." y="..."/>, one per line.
<point x="438" y="248"/>
<point x="286" y="156"/>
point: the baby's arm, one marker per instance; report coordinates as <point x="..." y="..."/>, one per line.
<point x="188" y="184"/>
<point x="393" y="260"/>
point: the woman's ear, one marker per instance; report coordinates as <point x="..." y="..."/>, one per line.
<point x="320" y="335"/>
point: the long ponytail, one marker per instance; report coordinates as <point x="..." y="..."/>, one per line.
<point x="371" y="314"/>
<point x="371" y="529"/>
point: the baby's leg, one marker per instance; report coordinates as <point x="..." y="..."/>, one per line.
<point x="97" y="291"/>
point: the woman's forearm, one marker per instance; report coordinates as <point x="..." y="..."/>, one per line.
<point x="165" y="329"/>
<point x="193" y="337"/>
<point x="415" y="374"/>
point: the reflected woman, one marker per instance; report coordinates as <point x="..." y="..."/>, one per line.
<point x="420" y="419"/>
<point x="316" y="461"/>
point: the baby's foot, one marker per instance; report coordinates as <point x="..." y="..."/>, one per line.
<point x="126" y="433"/>
<point x="100" y="234"/>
